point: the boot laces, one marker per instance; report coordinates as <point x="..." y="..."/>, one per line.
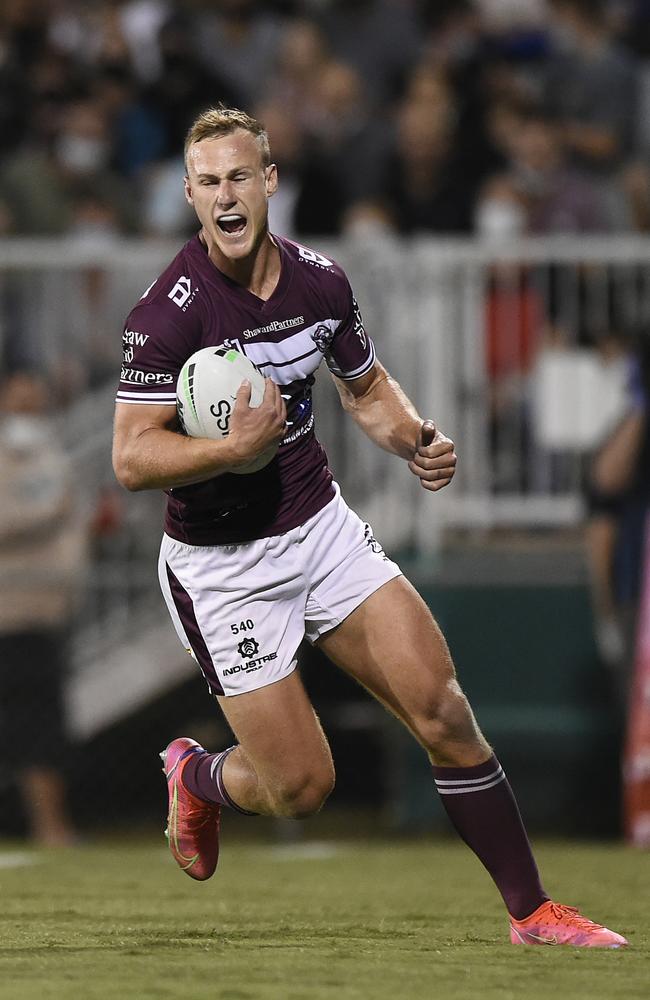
<point x="571" y="914"/>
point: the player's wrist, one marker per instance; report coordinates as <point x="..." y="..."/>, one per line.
<point x="228" y="453"/>
<point x="237" y="452"/>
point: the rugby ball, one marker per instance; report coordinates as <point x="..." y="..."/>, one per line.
<point x="206" y="392"/>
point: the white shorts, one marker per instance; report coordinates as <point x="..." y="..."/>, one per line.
<point x="242" y="610"/>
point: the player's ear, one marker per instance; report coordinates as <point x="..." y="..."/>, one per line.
<point x="271" y="179"/>
<point x="188" y="190"/>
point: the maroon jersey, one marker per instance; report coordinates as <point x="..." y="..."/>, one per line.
<point x="311" y="315"/>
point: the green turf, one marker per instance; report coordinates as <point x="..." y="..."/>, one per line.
<point x="364" y="921"/>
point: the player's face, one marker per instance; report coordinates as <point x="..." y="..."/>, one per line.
<point x="229" y="188"/>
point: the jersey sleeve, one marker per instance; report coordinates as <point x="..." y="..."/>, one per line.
<point x="351" y="352"/>
<point x="155" y="346"/>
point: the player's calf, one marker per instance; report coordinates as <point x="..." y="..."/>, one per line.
<point x="301" y="793"/>
<point x="445" y="726"/>
<point x="230" y="778"/>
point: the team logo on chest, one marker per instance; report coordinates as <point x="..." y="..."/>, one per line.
<point x="322" y="336"/>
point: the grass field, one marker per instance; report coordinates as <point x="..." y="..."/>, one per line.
<point x="353" y="920"/>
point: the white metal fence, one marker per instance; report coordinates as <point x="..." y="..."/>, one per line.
<point x="515" y="350"/>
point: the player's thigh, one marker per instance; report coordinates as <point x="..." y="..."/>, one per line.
<point x="240" y="610"/>
<point x="278" y="729"/>
<point x="237" y="608"/>
<point x="392" y="645"/>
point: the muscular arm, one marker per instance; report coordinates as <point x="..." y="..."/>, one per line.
<point x="150" y="453"/>
<point x="377" y="403"/>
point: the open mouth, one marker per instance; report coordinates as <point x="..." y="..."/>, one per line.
<point x="233" y="225"/>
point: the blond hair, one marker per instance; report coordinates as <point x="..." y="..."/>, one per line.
<point x="221" y="120"/>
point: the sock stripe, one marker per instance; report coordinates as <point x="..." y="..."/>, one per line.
<point x="216" y="769"/>
<point x="475" y="788"/>
<point x="469" y="781"/>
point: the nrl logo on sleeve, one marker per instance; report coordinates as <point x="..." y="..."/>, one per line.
<point x="358" y="323"/>
<point x="182" y="293"/>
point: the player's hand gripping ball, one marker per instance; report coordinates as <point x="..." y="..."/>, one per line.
<point x="206" y="393"/>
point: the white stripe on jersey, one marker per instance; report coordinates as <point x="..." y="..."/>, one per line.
<point x="145" y="399"/>
<point x="298" y="356"/>
<point x="361" y="370"/>
<point x="293" y="347"/>
<point x="149" y="395"/>
<point x="295" y="357"/>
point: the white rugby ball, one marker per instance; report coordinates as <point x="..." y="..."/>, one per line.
<point x="206" y="392"/>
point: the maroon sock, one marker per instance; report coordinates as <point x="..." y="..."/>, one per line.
<point x="480" y="804"/>
<point x="202" y="777"/>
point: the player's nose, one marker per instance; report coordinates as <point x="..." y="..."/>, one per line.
<point x="226" y="197"/>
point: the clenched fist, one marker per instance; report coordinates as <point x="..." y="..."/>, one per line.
<point x="434" y="462"/>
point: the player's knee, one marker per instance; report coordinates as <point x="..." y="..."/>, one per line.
<point x="444" y="718"/>
<point x="304" y="793"/>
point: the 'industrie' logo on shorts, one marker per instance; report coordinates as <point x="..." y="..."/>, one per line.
<point x="249" y="647"/>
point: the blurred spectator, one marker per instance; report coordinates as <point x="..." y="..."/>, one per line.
<point x="619" y="504"/>
<point x="591" y="86"/>
<point x="137" y="126"/>
<point x="558" y="197"/>
<point x="26" y="23"/>
<point x="141" y="22"/>
<point x="42" y="560"/>
<point x="631" y="22"/>
<point x="346" y="151"/>
<point x="41" y="181"/>
<point x="635" y="184"/>
<point x="428" y="189"/>
<point x="379" y="38"/>
<point x="184" y="86"/>
<point x="165" y="211"/>
<point x="302" y="57"/>
<point x="502" y="15"/>
<point x="458" y="50"/>
<point x="501" y="209"/>
<point x="240" y="41"/>
<point x="286" y="142"/>
<point x="12" y="116"/>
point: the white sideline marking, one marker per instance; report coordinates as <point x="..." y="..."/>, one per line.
<point x="17" y="859"/>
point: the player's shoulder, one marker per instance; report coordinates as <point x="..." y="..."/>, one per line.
<point x="174" y="297"/>
<point x="315" y="267"/>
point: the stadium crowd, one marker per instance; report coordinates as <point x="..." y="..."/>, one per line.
<point x="493" y="116"/>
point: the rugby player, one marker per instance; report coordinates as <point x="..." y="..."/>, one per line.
<point x="251" y="564"/>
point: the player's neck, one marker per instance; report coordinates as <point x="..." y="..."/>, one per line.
<point x="259" y="273"/>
